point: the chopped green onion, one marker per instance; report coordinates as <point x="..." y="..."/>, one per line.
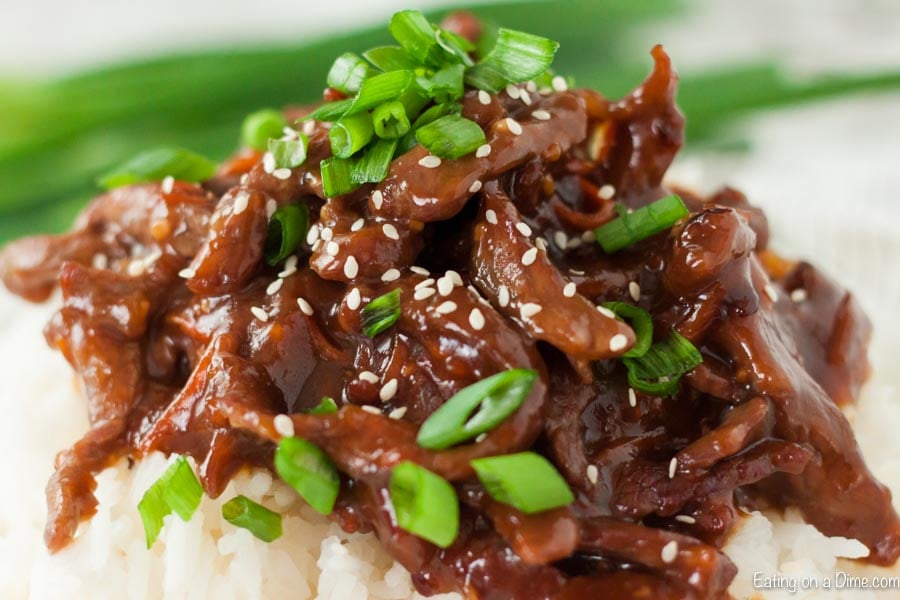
<point x="516" y="57"/>
<point x="444" y="86"/>
<point x="380" y="88"/>
<point x="455" y="45"/>
<point x="640" y="322"/>
<point x="347" y="73"/>
<point x="424" y="504"/>
<point x="287" y="229"/>
<point x="326" y="406"/>
<point x="330" y="111"/>
<point x="336" y="176"/>
<point x="496" y="398"/>
<point x="381" y="313"/>
<point x="243" y="512"/>
<point x="262" y="125"/>
<point x="176" y="490"/>
<point x="156" y="165"/>
<point x="660" y="369"/>
<point x="646" y="221"/>
<point x="390" y="58"/>
<point x="308" y="470"/>
<point x="526" y="481"/>
<point x="350" y="134"/>
<point x="372" y="167"/>
<point x="451" y="136"/>
<point x="416" y="36"/>
<point x="390" y="120"/>
<point x="289" y="154"/>
<point x="436" y="112"/>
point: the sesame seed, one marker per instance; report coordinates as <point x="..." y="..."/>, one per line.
<point x="524" y="229"/>
<point x="476" y="319"/>
<point x="490" y="216"/>
<point x="455" y="277"/>
<point x="241" y="202"/>
<point x="274" y="287"/>
<point x="445" y="286"/>
<point x="290" y="266"/>
<point x="481" y="438"/>
<point x="673" y="466"/>
<point x="284" y="426"/>
<point x="503" y="296"/>
<point x="168" y="184"/>
<point x="390" y="231"/>
<point x="570" y="289"/>
<point x="371" y="409"/>
<point x="484" y="97"/>
<point x="420" y="271"/>
<point x="305" y="307"/>
<point x="390" y="275"/>
<point x="358" y="224"/>
<point x="606" y="192"/>
<point x="541" y="115"/>
<point x="483" y="150"/>
<point x="244" y="178"/>
<point x="312" y="236"/>
<point x="475" y="187"/>
<point x="541" y="243"/>
<point x="588" y="236"/>
<point x="573" y="242"/>
<point x="529" y="309"/>
<point x="634" y="290"/>
<point x="513" y="126"/>
<point x="327" y="234"/>
<point x="377" y="199"/>
<point x="529" y="257"/>
<point x="425" y="283"/>
<point x="290" y="133"/>
<point x="685" y="519"/>
<point x="287" y="272"/>
<point x="512" y="91"/>
<point x="531" y="86"/>
<point x="525" y="97"/>
<point x="632" y="398"/>
<point x="560" y="239"/>
<point x="593" y="474"/>
<point x="351" y="267"/>
<point x="388" y="390"/>
<point x="799" y="295"/>
<point x="578" y="272"/>
<point x="669" y="552"/>
<point x="606" y="312"/>
<point x="424" y="293"/>
<point x="445" y="308"/>
<point x="559" y="84"/>
<point x="369" y="377"/>
<point x="268" y="162"/>
<point x="259" y="313"/>
<point x="309" y="127"/>
<point x="771" y="292"/>
<point x="271" y="207"/>
<point x="187" y="273"/>
<point x="282" y="173"/>
<point x="397" y="413"/>
<point x="618" y="342"/>
<point x="332" y="248"/>
<point x="353" y="299"/>
<point x="430" y="161"/>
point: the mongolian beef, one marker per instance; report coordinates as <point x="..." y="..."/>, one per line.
<point x="455" y="305"/>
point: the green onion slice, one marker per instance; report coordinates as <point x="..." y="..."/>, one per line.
<point x="307" y="469"/>
<point x="287" y="229"/>
<point x="436" y="112"/>
<point x="390" y="120"/>
<point x="336" y="176"/>
<point x="347" y="73"/>
<point x="660" y="369"/>
<point x="350" y="134"/>
<point x="444" y="86"/>
<point x="640" y="322"/>
<point x="516" y="57"/>
<point x="451" y="136"/>
<point x="262" y="125"/>
<point x="176" y="490"/>
<point x="289" y="154"/>
<point x="416" y="36"/>
<point x="456" y="45"/>
<point x="381" y="313"/>
<point x="156" y="165"/>
<point x="496" y="398"/>
<point x="326" y="406"/>
<point x="373" y="166"/>
<point x="330" y="111"/>
<point x="243" y="512"/>
<point x="380" y="88"/>
<point x="526" y="481"/>
<point x="646" y="221"/>
<point x="424" y="504"/>
<point x="390" y="58"/>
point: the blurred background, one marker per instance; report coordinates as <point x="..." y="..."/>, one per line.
<point x="797" y="102"/>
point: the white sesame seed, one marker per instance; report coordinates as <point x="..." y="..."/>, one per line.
<point x="358" y="224"/>
<point x="512" y="91"/>
<point x="290" y="266"/>
<point x="481" y="438"/>
<point x="371" y="409"/>
<point x="268" y="162"/>
<point x="259" y="313"/>
<point x="525" y="97"/>
<point x="593" y="474"/>
<point x="445" y="286"/>
<point x="578" y="272"/>
<point x="475" y="187"/>
<point x="573" y="242"/>
<point x="377" y="199"/>
<point x="559" y="84"/>
<point x="388" y="390"/>
<point x="390" y="231"/>
<point x="570" y="289"/>
<point x="271" y="207"/>
<point x="445" y="308"/>
<point x="187" y="273"/>
<point x="430" y="161"/>
<point x="455" y="277"/>
<point x="524" y="229"/>
<point x="327" y="234"/>
<point x="476" y="319"/>
<point x="503" y="296"/>
<point x="317" y="245"/>
<point x="284" y="426"/>
<point x="397" y="413"/>
<point x="305" y="307"/>
<point x="632" y="398"/>
<point x="425" y="283"/>
<point x="771" y="292"/>
<point x="541" y="115"/>
<point x="101" y="261"/>
<point x="531" y="86"/>
<point x="606" y="192"/>
<point x="685" y="519"/>
<point x="484" y="97"/>
<point x="351" y="267"/>
<point x="673" y="467"/>
<point x="560" y="239"/>
<point x="513" y="126"/>
<point x="289" y="132"/>
<point x="309" y="127"/>
<point x="618" y="342"/>
<point x="390" y="275"/>
<point x="244" y="178"/>
<point x="312" y="236"/>
<point x="541" y="243"/>
<point x="332" y="248"/>
<point x="634" y="290"/>
<point x="274" y="287"/>
<point x="530" y="256"/>
<point x="483" y="150"/>
<point x="424" y="293"/>
<point x="799" y="295"/>
<point x="354" y="299"/>
<point x="168" y="184"/>
<point x="287" y="272"/>
<point x="588" y="236"/>
<point x="606" y="312"/>
<point x="241" y="202"/>
<point x="490" y="216"/>
<point x="282" y="173"/>
<point x="369" y="377"/>
<point x="420" y="271"/>
<point x="529" y="309"/>
<point x="669" y="552"/>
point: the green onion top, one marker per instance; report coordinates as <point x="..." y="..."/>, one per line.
<point x="287" y="229"/>
<point x="526" y="481"/>
<point x="641" y="323"/>
<point x="156" y="165"/>
<point x="646" y="221"/>
<point x="307" y="469"/>
<point x="176" y="490"/>
<point x="289" y="154"/>
<point x="243" y="512"/>
<point x="347" y="73"/>
<point x="516" y="57"/>
<point x="326" y="406"/>
<point x="424" y="504"/>
<point x="381" y="313"/>
<point x="261" y="126"/>
<point x="451" y="136"/>
<point x="659" y="370"/>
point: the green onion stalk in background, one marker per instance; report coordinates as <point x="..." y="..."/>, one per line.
<point x="57" y="136"/>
